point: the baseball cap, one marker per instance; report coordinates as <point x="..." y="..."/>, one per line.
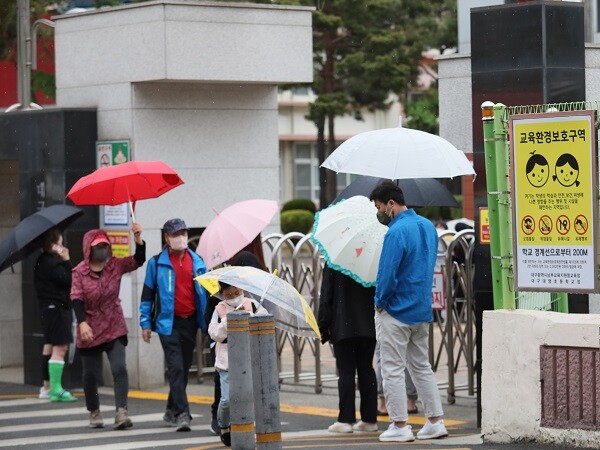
<point x="174" y="225"/>
<point x="100" y="239"/>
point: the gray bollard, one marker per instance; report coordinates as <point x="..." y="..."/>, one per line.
<point x="265" y="376"/>
<point x="241" y="398"/>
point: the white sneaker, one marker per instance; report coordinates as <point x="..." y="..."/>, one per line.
<point x="44" y="393"/>
<point x="340" y="427"/>
<point x="396" y="434"/>
<point x="432" y="430"/>
<point x="364" y="426"/>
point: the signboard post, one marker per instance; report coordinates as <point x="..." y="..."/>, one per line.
<point x="111" y="153"/>
<point x="554" y="183"/>
<point x="484" y="226"/>
<point x="115" y="219"/>
<point x="438" y="292"/>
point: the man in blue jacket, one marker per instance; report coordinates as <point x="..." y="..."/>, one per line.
<point x="403" y="313"/>
<point x="173" y="305"/>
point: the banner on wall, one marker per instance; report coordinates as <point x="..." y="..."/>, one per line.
<point x="554" y="179"/>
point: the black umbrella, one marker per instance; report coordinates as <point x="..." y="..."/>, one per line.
<point x="23" y="239"/>
<point x="418" y="192"/>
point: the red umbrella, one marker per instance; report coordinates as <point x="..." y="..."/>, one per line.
<point x="127" y="182"/>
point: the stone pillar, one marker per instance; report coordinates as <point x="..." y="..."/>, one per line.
<point x="193" y="84"/>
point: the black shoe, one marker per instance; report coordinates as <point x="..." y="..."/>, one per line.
<point x="214" y="426"/>
<point x="226" y="437"/>
<point x="183" y="422"/>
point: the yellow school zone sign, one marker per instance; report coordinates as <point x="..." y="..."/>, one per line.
<point x="554" y="210"/>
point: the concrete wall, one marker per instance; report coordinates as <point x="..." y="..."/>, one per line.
<point x="511" y="388"/>
<point x="193" y="84"/>
<point x="592" y="90"/>
<point x="184" y="40"/>
<point x="455" y="100"/>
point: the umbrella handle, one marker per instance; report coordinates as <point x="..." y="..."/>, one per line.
<point x="131" y="211"/>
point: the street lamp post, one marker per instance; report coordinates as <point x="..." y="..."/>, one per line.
<point x="25" y="52"/>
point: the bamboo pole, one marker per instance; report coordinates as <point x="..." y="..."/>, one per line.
<point x="487" y="112"/>
<point x="504" y="206"/>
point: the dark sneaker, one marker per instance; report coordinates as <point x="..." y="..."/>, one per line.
<point x="214" y="426"/>
<point x="226" y="437"/>
<point x="170" y="418"/>
<point x="183" y="422"/>
<point x="122" y="420"/>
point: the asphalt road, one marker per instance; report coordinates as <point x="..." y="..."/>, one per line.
<point x="29" y="423"/>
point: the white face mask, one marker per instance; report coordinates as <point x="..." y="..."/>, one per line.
<point x="178" y="243"/>
<point x="235" y="302"/>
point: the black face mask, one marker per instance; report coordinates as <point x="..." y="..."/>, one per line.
<point x="384" y="217"/>
<point x="99" y="254"/>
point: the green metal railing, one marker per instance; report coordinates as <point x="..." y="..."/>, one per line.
<point x="495" y="118"/>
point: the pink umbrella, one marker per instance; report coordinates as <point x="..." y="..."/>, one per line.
<point x="233" y="229"/>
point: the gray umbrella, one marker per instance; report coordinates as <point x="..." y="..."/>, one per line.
<point x="418" y="192"/>
<point x="24" y="238"/>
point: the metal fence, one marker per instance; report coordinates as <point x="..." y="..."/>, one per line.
<point x="452" y="336"/>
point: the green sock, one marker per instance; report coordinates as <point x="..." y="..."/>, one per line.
<point x="56" y="370"/>
<point x="57" y="393"/>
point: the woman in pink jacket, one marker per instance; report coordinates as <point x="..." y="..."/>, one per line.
<point x="101" y="323"/>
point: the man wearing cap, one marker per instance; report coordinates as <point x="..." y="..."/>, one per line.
<point x="173" y="305"/>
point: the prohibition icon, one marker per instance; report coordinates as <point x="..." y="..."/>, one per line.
<point x="545" y="225"/>
<point x="563" y="224"/>
<point x="581" y="224"/>
<point x="528" y="225"/>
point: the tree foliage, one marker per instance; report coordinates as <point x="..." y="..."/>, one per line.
<point x="422" y="113"/>
<point x="363" y="52"/>
<point x="8" y="22"/>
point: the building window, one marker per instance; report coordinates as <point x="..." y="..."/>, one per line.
<point x="306" y="173"/>
<point x="302" y="90"/>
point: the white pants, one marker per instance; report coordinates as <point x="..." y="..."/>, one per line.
<point x="406" y="346"/>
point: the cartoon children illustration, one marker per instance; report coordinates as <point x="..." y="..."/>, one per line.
<point x="567" y="170"/>
<point x="537" y="170"/>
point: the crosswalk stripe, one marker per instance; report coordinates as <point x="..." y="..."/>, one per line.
<point x="186" y="441"/>
<point x="100" y="434"/>
<point x="193" y="441"/>
<point x="58" y="411"/>
<point x="23" y="402"/>
<point x="78" y="424"/>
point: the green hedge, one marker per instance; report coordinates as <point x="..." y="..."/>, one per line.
<point x="297" y="220"/>
<point x="299" y="203"/>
